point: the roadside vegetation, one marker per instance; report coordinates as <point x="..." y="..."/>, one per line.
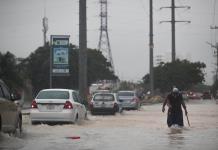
<point x="34" y="70"/>
<point x="181" y="73"/>
<point x="31" y="74"/>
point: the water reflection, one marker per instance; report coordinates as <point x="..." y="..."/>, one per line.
<point x="176" y="137"/>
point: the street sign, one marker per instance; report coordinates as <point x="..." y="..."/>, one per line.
<point x="60" y="55"/>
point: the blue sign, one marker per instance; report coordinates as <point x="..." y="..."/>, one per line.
<point x="60" y="55"/>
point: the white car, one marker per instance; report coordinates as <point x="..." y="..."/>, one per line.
<point x="10" y="113"/>
<point x="105" y="103"/>
<point x="57" y="105"/>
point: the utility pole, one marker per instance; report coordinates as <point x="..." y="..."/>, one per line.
<point x="151" y="46"/>
<point x="45" y="29"/>
<point x="173" y="28"/>
<point x="216" y="53"/>
<point x="45" y="25"/>
<point x="82" y="51"/>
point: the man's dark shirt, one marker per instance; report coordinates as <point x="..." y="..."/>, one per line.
<point x="175" y="100"/>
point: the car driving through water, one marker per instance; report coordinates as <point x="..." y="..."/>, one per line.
<point x="57" y="105"/>
<point x="105" y="103"/>
<point x="10" y="112"/>
<point x="129" y="99"/>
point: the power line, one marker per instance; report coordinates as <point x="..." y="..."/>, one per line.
<point x="173" y="28"/>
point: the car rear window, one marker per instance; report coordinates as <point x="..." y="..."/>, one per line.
<point x="126" y="94"/>
<point x="103" y="97"/>
<point x="53" y="95"/>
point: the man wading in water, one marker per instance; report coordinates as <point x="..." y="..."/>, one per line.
<point x="174" y="101"/>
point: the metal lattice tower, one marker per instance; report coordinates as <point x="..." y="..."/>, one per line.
<point x="104" y="43"/>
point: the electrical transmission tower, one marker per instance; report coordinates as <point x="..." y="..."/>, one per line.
<point x="173" y="21"/>
<point x="104" y="43"/>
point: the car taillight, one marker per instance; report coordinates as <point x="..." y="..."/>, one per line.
<point x="34" y="104"/>
<point x="68" y="105"/>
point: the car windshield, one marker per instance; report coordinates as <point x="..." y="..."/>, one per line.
<point x="103" y="97"/>
<point x="53" y="95"/>
<point x="126" y="94"/>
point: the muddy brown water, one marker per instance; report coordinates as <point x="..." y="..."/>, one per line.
<point x="133" y="130"/>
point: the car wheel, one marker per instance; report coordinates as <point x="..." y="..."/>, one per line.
<point x="86" y="116"/>
<point x="18" y="129"/>
<point x="138" y="107"/>
<point x="92" y="112"/>
<point x="20" y="124"/>
<point x="114" y="112"/>
<point x="76" y="119"/>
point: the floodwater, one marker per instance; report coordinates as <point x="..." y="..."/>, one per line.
<point x="133" y="130"/>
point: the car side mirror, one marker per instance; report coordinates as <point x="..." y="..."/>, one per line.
<point x="15" y="96"/>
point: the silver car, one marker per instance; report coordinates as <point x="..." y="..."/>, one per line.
<point x="128" y="99"/>
<point x="105" y="103"/>
<point x="10" y="113"/>
<point x="57" y="105"/>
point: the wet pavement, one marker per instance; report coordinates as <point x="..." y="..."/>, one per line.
<point x="139" y="130"/>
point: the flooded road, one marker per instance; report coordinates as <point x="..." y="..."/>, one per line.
<point x="139" y="130"/>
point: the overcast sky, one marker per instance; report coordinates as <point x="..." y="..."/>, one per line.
<point x="21" y="30"/>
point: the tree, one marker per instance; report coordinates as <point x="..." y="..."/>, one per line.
<point x="182" y="74"/>
<point x="98" y="67"/>
<point x="37" y="66"/>
<point x="9" y="71"/>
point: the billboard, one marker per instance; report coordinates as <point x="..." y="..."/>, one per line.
<point x="60" y="55"/>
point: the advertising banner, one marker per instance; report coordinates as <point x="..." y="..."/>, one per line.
<point x="60" y="55"/>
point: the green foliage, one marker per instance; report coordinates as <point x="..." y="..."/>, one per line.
<point x="200" y="87"/>
<point x="98" y="67"/>
<point x="182" y="74"/>
<point x="125" y="85"/>
<point x="37" y="66"/>
<point x="9" y="71"/>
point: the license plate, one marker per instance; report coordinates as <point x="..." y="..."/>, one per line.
<point x="50" y="107"/>
<point x="103" y="105"/>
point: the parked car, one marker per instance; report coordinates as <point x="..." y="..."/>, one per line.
<point x="207" y="95"/>
<point x="194" y="95"/>
<point x="57" y="105"/>
<point x="105" y="103"/>
<point x="129" y="100"/>
<point x="10" y="112"/>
